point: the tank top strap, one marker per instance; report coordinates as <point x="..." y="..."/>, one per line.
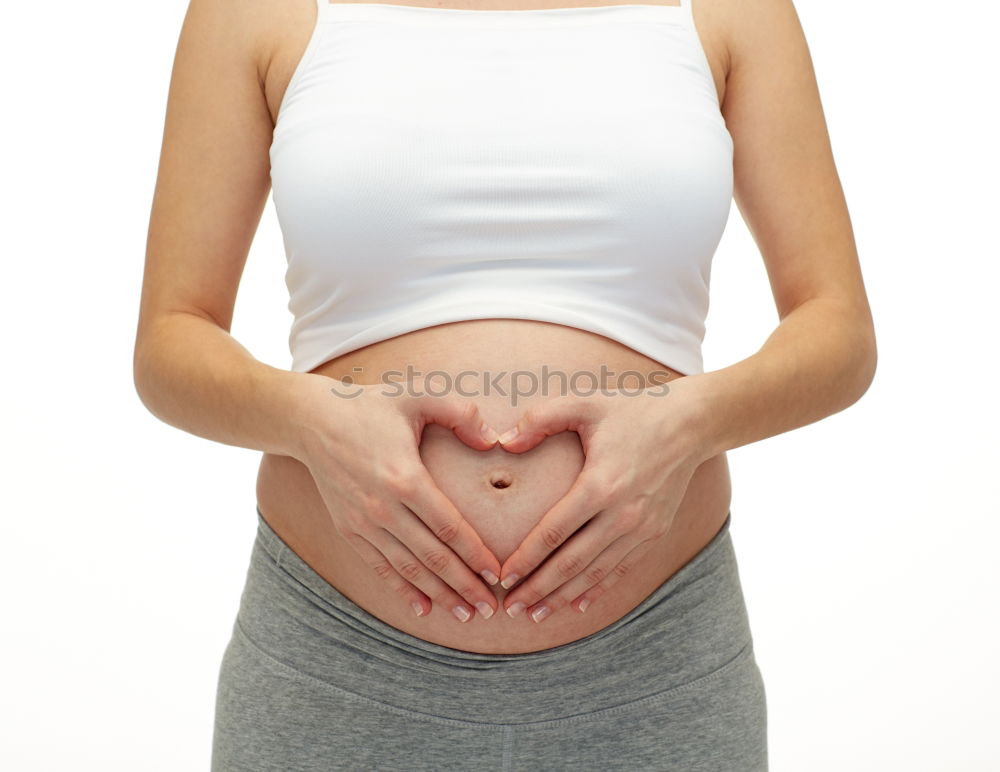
<point x="687" y="13"/>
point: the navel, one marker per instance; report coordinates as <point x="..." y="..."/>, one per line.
<point x="501" y="479"/>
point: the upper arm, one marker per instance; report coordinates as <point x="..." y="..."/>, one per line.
<point x="214" y="172"/>
<point x="785" y="181"/>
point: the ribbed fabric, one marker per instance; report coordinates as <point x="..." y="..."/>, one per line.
<point x="568" y="165"/>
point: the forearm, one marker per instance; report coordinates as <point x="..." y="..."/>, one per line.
<point x="819" y="360"/>
<point x="192" y="374"/>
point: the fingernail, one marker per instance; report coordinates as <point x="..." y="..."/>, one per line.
<point x="509" y="581"/>
<point x="484" y="609"/>
<point x="583" y="604"/>
<point x="540" y="613"/>
<point x="508" y="435"/>
<point x="488" y="432"/>
<point x="417" y="609"/>
<point x="489" y="576"/>
<point x="462" y="613"/>
<point x="515" y="609"/>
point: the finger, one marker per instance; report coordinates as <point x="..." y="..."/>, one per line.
<point x="622" y="569"/>
<point x="429" y="503"/>
<point x="576" y="556"/>
<point x="416" y="573"/>
<point x="560" y="522"/>
<point x="462" y="416"/>
<point x="458" y="550"/>
<point x="419" y="602"/>
<point x="559" y="414"/>
<point x="438" y="560"/>
<point x="596" y="572"/>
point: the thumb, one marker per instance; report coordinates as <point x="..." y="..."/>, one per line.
<point x="461" y="415"/>
<point x="551" y="417"/>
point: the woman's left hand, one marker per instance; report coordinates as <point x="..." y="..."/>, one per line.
<point x="642" y="448"/>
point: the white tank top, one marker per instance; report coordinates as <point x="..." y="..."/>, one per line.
<point x="569" y="165"/>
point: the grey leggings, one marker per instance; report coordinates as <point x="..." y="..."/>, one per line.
<point x="311" y="681"/>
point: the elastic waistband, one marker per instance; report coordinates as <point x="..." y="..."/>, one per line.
<point x="692" y="625"/>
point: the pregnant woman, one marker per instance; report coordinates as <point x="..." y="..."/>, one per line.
<point x="493" y="504"/>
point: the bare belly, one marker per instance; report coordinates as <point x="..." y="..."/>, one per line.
<point x="502" y="495"/>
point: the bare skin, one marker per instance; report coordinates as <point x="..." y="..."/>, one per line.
<point x="534" y="481"/>
<point x="790" y="198"/>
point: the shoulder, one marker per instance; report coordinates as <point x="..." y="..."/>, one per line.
<point x="239" y="30"/>
<point x="749" y="30"/>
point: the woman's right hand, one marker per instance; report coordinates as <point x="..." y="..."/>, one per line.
<point x="362" y="452"/>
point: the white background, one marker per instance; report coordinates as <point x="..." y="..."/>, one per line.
<point x="867" y="541"/>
